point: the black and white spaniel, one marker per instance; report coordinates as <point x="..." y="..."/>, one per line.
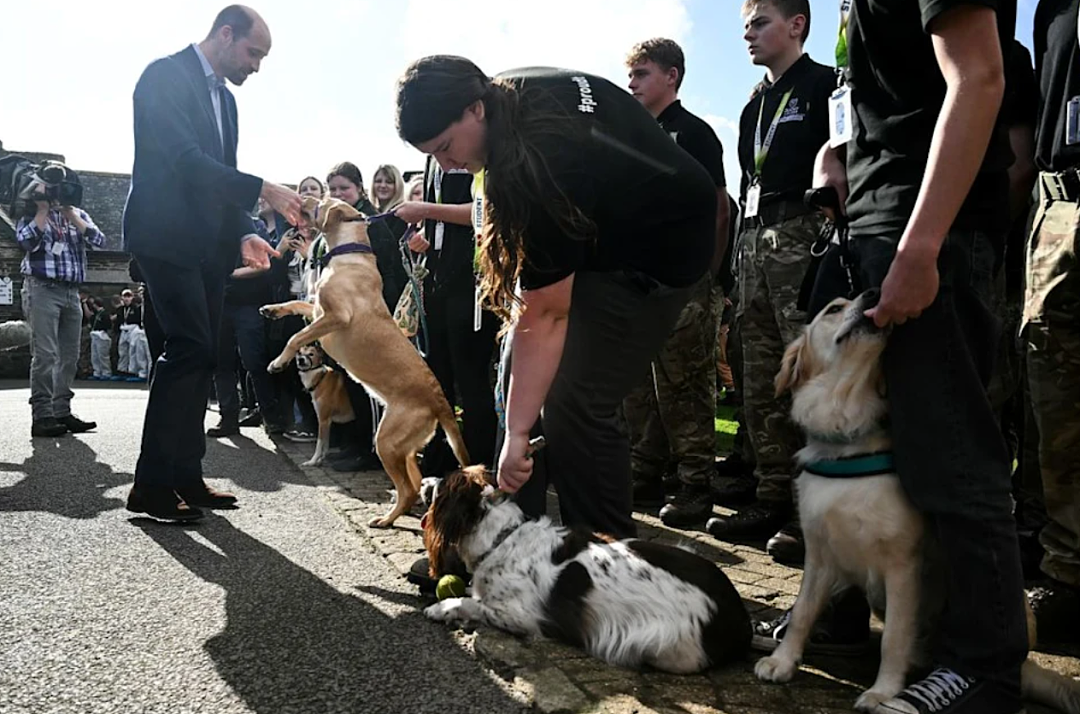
<point x="631" y="603"/>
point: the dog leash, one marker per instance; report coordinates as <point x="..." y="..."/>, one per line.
<point x="414" y="284"/>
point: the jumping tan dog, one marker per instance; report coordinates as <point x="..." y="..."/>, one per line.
<point x="861" y="529"/>
<point x="328" y="395"/>
<point x="352" y="323"/>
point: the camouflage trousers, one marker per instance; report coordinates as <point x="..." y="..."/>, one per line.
<point x="1051" y="329"/>
<point x="772" y="263"/>
<point x="670" y="416"/>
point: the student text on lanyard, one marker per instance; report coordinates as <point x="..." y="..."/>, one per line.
<point x="841" y="127"/>
<point x="761" y="151"/>
<point x="478" y="230"/>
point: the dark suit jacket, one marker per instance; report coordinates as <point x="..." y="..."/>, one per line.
<point x="187" y="201"/>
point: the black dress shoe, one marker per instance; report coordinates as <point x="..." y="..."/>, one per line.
<point x="225" y="427"/>
<point x="201" y="495"/>
<point x="161" y="503"/>
<point x="76" y="425"/>
<point x="787" y="546"/>
<point x="47" y="427"/>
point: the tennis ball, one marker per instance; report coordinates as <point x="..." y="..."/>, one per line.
<point x="450" y="586"/>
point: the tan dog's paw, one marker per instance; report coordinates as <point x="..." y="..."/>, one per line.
<point x="271" y="312"/>
<point x="381" y="522"/>
<point x="870" y="700"/>
<point x="774" y="669"/>
<point x="312" y="462"/>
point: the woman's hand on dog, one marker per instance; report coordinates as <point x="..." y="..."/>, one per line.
<point x="910" y="287"/>
<point x="515" y="463"/>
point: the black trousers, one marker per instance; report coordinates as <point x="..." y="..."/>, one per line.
<point x="187" y="302"/>
<point x="950" y="454"/>
<point x="618" y="323"/>
<point x="461" y="360"/>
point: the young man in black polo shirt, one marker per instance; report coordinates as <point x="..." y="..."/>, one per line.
<point x="780" y="129"/>
<point x="1050" y="330"/>
<point x="928" y="204"/>
<point x="671" y="415"/>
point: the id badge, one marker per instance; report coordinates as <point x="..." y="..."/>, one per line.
<point x="478" y="313"/>
<point x="440" y="229"/>
<point x="753" y="198"/>
<point x="1072" y="122"/>
<point x="840" y="117"/>
<point x="58" y="248"/>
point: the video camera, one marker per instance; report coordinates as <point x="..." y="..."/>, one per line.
<point x="23" y="182"/>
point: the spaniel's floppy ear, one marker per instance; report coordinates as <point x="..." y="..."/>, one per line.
<point x="332" y="212"/>
<point x="795" y="367"/>
<point x="453" y="515"/>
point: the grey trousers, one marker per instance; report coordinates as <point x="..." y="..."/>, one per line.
<point x="52" y="309"/>
<point x="100" y="344"/>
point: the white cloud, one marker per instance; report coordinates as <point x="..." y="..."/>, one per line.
<point x="325" y="93"/>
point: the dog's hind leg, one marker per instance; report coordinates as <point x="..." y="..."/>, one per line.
<point x="389" y="445"/>
<point x="902" y="588"/>
<point x="817" y="586"/>
<point x="320" y="328"/>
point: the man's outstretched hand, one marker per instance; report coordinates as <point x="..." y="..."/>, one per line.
<point x="256" y="253"/>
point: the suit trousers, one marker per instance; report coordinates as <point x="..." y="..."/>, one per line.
<point x="187" y="303"/>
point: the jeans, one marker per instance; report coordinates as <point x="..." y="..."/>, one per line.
<point x="951" y="457"/>
<point x="52" y="309"/>
<point x="243" y="328"/>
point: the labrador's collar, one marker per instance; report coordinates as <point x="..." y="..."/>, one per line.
<point x="858" y="466"/>
<point x="342" y="250"/>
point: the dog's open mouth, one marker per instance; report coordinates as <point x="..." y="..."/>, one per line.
<point x="856" y="326"/>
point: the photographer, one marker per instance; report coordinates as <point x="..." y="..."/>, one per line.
<point x="55" y="238"/>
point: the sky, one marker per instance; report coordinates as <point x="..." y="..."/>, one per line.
<point x="325" y="93"/>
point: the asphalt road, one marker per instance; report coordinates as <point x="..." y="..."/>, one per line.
<point x="275" y="607"/>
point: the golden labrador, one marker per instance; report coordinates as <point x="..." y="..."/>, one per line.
<point x="861" y="529"/>
<point x="352" y="323"/>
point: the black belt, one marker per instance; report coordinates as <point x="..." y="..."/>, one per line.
<point x="1061" y="186"/>
<point x="777" y="211"/>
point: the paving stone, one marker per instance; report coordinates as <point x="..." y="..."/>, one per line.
<point x="552" y="691"/>
<point x="503" y="651"/>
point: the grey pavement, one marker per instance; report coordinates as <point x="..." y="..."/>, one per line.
<point x="278" y="606"/>
<point x="292" y="604"/>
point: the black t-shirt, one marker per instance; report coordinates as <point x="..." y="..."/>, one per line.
<point x="897" y="94"/>
<point x="102" y="321"/>
<point x="801" y="132"/>
<point x="452" y="266"/>
<point x="1057" y="68"/>
<point x="696" y="138"/>
<point x="1021" y="103"/>
<point x="652" y="204"/>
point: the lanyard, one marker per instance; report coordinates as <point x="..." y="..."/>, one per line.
<point x="438" y="183"/>
<point x="841" y="40"/>
<point x="761" y="150"/>
<point x="477" y="217"/>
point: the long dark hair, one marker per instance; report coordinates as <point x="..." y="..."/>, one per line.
<point x="434" y="93"/>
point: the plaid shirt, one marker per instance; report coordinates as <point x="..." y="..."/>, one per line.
<point x="58" y="252"/>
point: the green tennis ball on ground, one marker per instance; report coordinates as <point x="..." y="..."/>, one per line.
<point x="450" y="586"/>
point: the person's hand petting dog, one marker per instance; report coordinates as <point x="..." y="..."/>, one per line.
<point x="283" y="200"/>
<point x="515" y="463"/>
<point x="910" y="287"/>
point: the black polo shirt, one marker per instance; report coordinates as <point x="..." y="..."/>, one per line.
<point x="1057" y="70"/>
<point x="897" y="94"/>
<point x="803" y="129"/>
<point x="696" y="138"/>
<point x="652" y="205"/>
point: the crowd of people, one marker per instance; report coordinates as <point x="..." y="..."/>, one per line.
<point x="595" y="225"/>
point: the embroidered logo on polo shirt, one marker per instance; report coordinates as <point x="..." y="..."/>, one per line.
<point x="794" y="111"/>
<point x="587" y="104"/>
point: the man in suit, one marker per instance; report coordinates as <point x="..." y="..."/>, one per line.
<point x="188" y="216"/>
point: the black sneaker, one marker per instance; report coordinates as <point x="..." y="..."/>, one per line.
<point x="758" y="520"/>
<point x="76" y="425"/>
<point x="47" y="426"/>
<point x="648" y="493"/>
<point x="787" y="546"/>
<point x="944" y="690"/>
<point x="843" y="629"/>
<point x="690" y="505"/>
<point x="301" y="436"/>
